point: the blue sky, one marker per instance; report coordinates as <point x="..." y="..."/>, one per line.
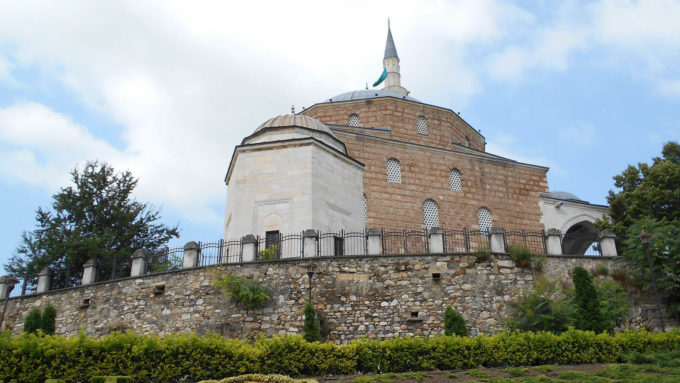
<point x="166" y="89"/>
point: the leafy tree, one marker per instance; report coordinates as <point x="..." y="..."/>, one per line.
<point x="586" y="301"/>
<point x="645" y="191"/>
<point x="48" y="320"/>
<point x="454" y="324"/>
<point x="541" y="309"/>
<point x="311" y="327"/>
<point x="93" y="218"/>
<point x="33" y="321"/>
<point x="664" y="252"/>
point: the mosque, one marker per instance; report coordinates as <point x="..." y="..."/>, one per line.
<point x="380" y="158"/>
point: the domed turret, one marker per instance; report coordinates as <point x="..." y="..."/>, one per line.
<point x="294" y="126"/>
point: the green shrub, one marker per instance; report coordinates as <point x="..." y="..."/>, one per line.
<point x="541" y="309"/>
<point x="268" y="254"/>
<point x="454" y="324"/>
<point x="33" y="321"/>
<point x="246" y="291"/>
<point x="173" y="358"/>
<point x="110" y="379"/>
<point x="587" y="304"/>
<point x="482" y="254"/>
<point x="48" y="318"/>
<point x="521" y="255"/>
<point x="311" y="327"/>
<point x="260" y="378"/>
<point x="613" y="304"/>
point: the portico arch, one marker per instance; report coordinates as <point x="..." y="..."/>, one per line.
<point x="579" y="238"/>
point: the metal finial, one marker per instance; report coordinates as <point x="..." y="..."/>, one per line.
<point x="366" y="85"/>
<point x="388" y="22"/>
<point x="292" y="109"/>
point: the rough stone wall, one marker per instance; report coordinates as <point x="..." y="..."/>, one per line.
<point x="509" y="190"/>
<point x="401" y="115"/>
<point x="376" y="297"/>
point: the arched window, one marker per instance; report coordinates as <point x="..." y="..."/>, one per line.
<point x="365" y="209"/>
<point x="454" y="180"/>
<point x="353" y="119"/>
<point x="421" y="124"/>
<point x="431" y="214"/>
<point x="393" y="171"/>
<point x="484" y="218"/>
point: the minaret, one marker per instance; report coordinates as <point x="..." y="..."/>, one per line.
<point x="391" y="63"/>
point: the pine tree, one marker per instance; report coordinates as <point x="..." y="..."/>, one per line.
<point x="33" y="321"/>
<point x="454" y="324"/>
<point x="311" y="327"/>
<point x="588" y="312"/>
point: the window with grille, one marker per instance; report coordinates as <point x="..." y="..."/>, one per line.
<point x="421" y="124"/>
<point x="484" y="217"/>
<point x="353" y="120"/>
<point x="393" y="170"/>
<point x="431" y="213"/>
<point x="272" y="238"/>
<point x="454" y="180"/>
<point x="365" y="209"/>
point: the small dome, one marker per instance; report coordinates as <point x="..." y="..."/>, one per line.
<point x="566" y="196"/>
<point x="368" y="93"/>
<point x="289" y="120"/>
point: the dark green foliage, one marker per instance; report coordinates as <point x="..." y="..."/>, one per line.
<point x="110" y="379"/>
<point x="243" y="290"/>
<point x="311" y="327"/>
<point x="586" y="302"/>
<point x="664" y="251"/>
<point x="663" y="359"/>
<point x="613" y="304"/>
<point x="646" y="192"/>
<point x="454" y="324"/>
<point x="93" y="218"/>
<point x="173" y="358"/>
<point x="48" y="318"/>
<point x="541" y="310"/>
<point x="33" y="321"/>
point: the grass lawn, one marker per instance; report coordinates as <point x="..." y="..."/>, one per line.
<point x="586" y="373"/>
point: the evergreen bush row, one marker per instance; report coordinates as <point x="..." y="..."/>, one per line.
<point x="175" y="358"/>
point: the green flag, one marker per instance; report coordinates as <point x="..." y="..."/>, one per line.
<point x="382" y="77"/>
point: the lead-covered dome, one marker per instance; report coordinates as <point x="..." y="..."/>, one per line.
<point x="364" y="94"/>
<point x="299" y="120"/>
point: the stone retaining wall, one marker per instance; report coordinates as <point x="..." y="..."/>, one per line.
<point x="376" y="297"/>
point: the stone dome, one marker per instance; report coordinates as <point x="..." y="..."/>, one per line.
<point x="563" y="195"/>
<point x="299" y="120"/>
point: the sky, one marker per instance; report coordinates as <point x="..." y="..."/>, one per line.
<point x="166" y="89"/>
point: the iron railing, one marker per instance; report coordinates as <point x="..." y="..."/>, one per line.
<point x="532" y="240"/>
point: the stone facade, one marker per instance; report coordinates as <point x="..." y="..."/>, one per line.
<point x="375" y="297"/>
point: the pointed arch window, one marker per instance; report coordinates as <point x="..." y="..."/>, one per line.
<point x="454" y="180"/>
<point x="353" y="120"/>
<point x="431" y="214"/>
<point x="393" y="170"/>
<point x="421" y="125"/>
<point x="484" y="219"/>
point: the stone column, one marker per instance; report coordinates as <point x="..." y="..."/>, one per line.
<point x="311" y="237"/>
<point x="553" y="242"/>
<point x="89" y="272"/>
<point x="44" y="280"/>
<point x="436" y="238"/>
<point x="374" y="242"/>
<point x="138" y="263"/>
<point x="608" y="244"/>
<point x="7" y="283"/>
<point x="497" y="240"/>
<point x="249" y="244"/>
<point x="190" y="257"/>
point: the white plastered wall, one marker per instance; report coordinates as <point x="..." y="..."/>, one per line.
<point x="562" y="215"/>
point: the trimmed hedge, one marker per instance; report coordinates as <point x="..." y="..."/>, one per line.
<point x="190" y="358"/>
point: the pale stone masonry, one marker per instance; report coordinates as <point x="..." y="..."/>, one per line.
<point x="376" y="297"/>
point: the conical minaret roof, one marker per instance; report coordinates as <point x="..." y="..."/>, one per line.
<point x="390" y="49"/>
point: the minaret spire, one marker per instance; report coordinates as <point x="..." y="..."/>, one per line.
<point x="391" y="64"/>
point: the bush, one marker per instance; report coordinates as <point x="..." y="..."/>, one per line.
<point x="30" y="358"/>
<point x="243" y="290"/>
<point x="268" y="254"/>
<point x="587" y="304"/>
<point x="541" y="309"/>
<point x="48" y="318"/>
<point x="454" y="324"/>
<point x="521" y="255"/>
<point x="33" y="321"/>
<point x="311" y="327"/>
